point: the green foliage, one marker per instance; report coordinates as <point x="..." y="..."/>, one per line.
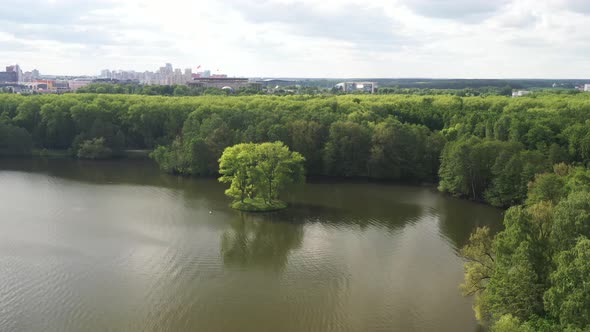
<point x="483" y="148"/>
<point x="347" y="150"/>
<point x="258" y="173"/>
<point x="404" y="152"/>
<point x="572" y="220"/>
<point x="466" y="166"/>
<point x="56" y="127"/>
<point x="307" y="137"/>
<point x="512" y="172"/>
<point x="94" y="149"/>
<point x="509" y="323"/>
<point x="480" y="262"/>
<point x="14" y="140"/>
<point x="540" y="262"/>
<point x="236" y="167"/>
<point x="275" y="167"/>
<point x="546" y="187"/>
<point x="172" y="159"/>
<point x="515" y="287"/>
<point x="568" y="299"/>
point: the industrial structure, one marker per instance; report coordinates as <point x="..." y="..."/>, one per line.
<point x="226" y="83"/>
<point x="352" y="87"/>
<point x="274" y="83"/>
<point x="520" y="93"/>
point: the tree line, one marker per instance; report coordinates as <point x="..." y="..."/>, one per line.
<point x="177" y="90"/>
<point x="482" y="148"/>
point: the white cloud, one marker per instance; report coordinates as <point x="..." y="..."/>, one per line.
<point x="464" y="10"/>
<point x="303" y="38"/>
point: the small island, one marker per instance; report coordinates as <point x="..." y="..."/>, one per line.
<point x="258" y="173"/>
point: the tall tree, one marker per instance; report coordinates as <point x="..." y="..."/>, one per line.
<point x="258" y="172"/>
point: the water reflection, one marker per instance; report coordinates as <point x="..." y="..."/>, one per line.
<point x="133" y="172"/>
<point x="120" y="246"/>
<point x="454" y="212"/>
<point x="258" y="240"/>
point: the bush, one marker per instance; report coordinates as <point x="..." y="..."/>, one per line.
<point x="94" y="149"/>
<point x="14" y="140"/>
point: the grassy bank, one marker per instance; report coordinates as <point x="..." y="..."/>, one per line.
<point x="258" y="205"/>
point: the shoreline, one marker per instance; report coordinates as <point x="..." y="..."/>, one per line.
<point x="143" y="155"/>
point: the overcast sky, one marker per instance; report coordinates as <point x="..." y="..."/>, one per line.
<point x="302" y="38"/>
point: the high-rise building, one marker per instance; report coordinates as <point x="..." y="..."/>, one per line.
<point x="27" y="77"/>
<point x="8" y="77"/>
<point x="15" y="69"/>
<point x="188" y="75"/>
<point x="35" y="74"/>
<point x="105" y="73"/>
<point x="79" y="83"/>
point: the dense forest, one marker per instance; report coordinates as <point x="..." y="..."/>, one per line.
<point x="177" y="90"/>
<point x="527" y="153"/>
<point x="457" y="84"/>
<point x="184" y="90"/>
<point x="302" y="88"/>
<point x="535" y="274"/>
<point x="480" y="148"/>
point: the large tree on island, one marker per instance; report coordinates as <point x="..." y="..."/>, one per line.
<point x="258" y="173"/>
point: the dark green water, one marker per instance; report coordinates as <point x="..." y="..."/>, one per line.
<point x="118" y="246"/>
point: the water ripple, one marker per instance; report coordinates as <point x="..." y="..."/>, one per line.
<point x="80" y="254"/>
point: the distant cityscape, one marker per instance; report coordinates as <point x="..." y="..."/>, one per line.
<point x="20" y="81"/>
<point x="33" y="80"/>
<point x="166" y="75"/>
<point x="15" y="80"/>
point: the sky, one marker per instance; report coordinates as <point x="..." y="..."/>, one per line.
<point x="302" y="38"/>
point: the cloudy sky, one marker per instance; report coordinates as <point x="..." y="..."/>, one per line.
<point x="303" y="38"/>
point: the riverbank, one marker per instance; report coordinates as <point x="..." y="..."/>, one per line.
<point x="312" y="179"/>
<point x="258" y="205"/>
<point x="67" y="154"/>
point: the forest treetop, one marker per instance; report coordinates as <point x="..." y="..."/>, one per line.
<point x="258" y="173"/>
<point x="490" y="147"/>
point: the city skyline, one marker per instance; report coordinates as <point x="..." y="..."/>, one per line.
<point x="304" y="38"/>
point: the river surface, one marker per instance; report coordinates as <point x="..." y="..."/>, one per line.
<point x="119" y="246"/>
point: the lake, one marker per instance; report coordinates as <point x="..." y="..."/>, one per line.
<point x="119" y="246"/>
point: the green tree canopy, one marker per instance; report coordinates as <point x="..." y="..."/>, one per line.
<point x="568" y="299"/>
<point x="259" y="172"/>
